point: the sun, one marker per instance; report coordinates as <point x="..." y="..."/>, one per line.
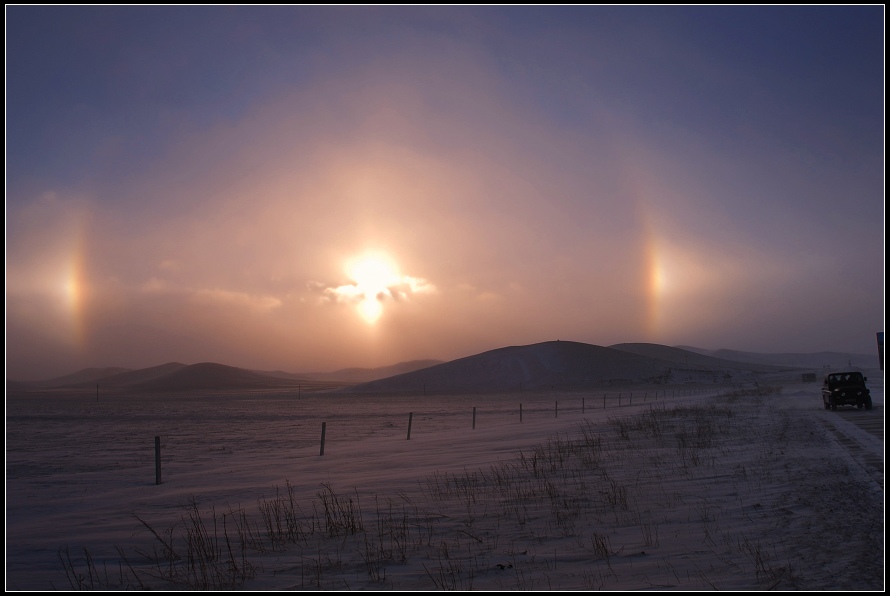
<point x="374" y="281"/>
<point x="372" y="274"/>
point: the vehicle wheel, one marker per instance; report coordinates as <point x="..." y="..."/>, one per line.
<point x="859" y="406"/>
<point x="868" y="404"/>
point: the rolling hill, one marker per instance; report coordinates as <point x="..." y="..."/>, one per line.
<point x="134" y="377"/>
<point x="81" y="377"/>
<point x="691" y="359"/>
<point x="363" y="375"/>
<point x="211" y="376"/>
<point x="563" y="365"/>
<point x="813" y="360"/>
<point x="175" y="376"/>
<point x="559" y="365"/>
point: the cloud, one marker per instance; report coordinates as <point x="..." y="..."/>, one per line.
<point x="348" y="294"/>
<point x="239" y="299"/>
<point x="375" y="285"/>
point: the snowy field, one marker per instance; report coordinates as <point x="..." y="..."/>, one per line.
<point x="679" y="489"/>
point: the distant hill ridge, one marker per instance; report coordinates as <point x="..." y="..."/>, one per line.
<point x="545" y="365"/>
<point x="693" y="359"/>
<point x="87" y="375"/>
<point x="175" y="376"/>
<point x="565" y="365"/>
<point x="816" y="360"/>
<point x="142" y="375"/>
<point x="212" y="376"/>
<point x="363" y="375"/>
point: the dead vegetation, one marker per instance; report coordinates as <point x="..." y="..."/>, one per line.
<point x="612" y="493"/>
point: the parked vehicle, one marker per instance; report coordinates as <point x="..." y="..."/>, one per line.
<point x="845" y="389"/>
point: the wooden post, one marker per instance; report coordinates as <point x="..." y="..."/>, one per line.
<point x="323" y="424"/>
<point x="555" y="409"/>
<point x="631" y="398"/>
<point x="157" y="460"/>
<point x="520" y="412"/>
<point x="410" y="416"/>
<point x="582" y="405"/>
<point x="604" y="401"/>
<point x="474" y="417"/>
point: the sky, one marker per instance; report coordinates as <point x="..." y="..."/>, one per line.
<point x="314" y="188"/>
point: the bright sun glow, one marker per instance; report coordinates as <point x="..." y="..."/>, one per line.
<point x="374" y="281"/>
<point x="372" y="275"/>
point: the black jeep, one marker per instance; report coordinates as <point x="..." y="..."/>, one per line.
<point x="845" y="389"/>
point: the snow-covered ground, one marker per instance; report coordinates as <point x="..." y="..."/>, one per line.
<point x="679" y="489"/>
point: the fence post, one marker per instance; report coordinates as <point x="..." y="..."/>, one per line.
<point x="323" y="424"/>
<point x="474" y="417"/>
<point x="157" y="460"/>
<point x="555" y="409"/>
<point x="410" y="416"/>
<point x="582" y="405"/>
<point x="520" y="412"/>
